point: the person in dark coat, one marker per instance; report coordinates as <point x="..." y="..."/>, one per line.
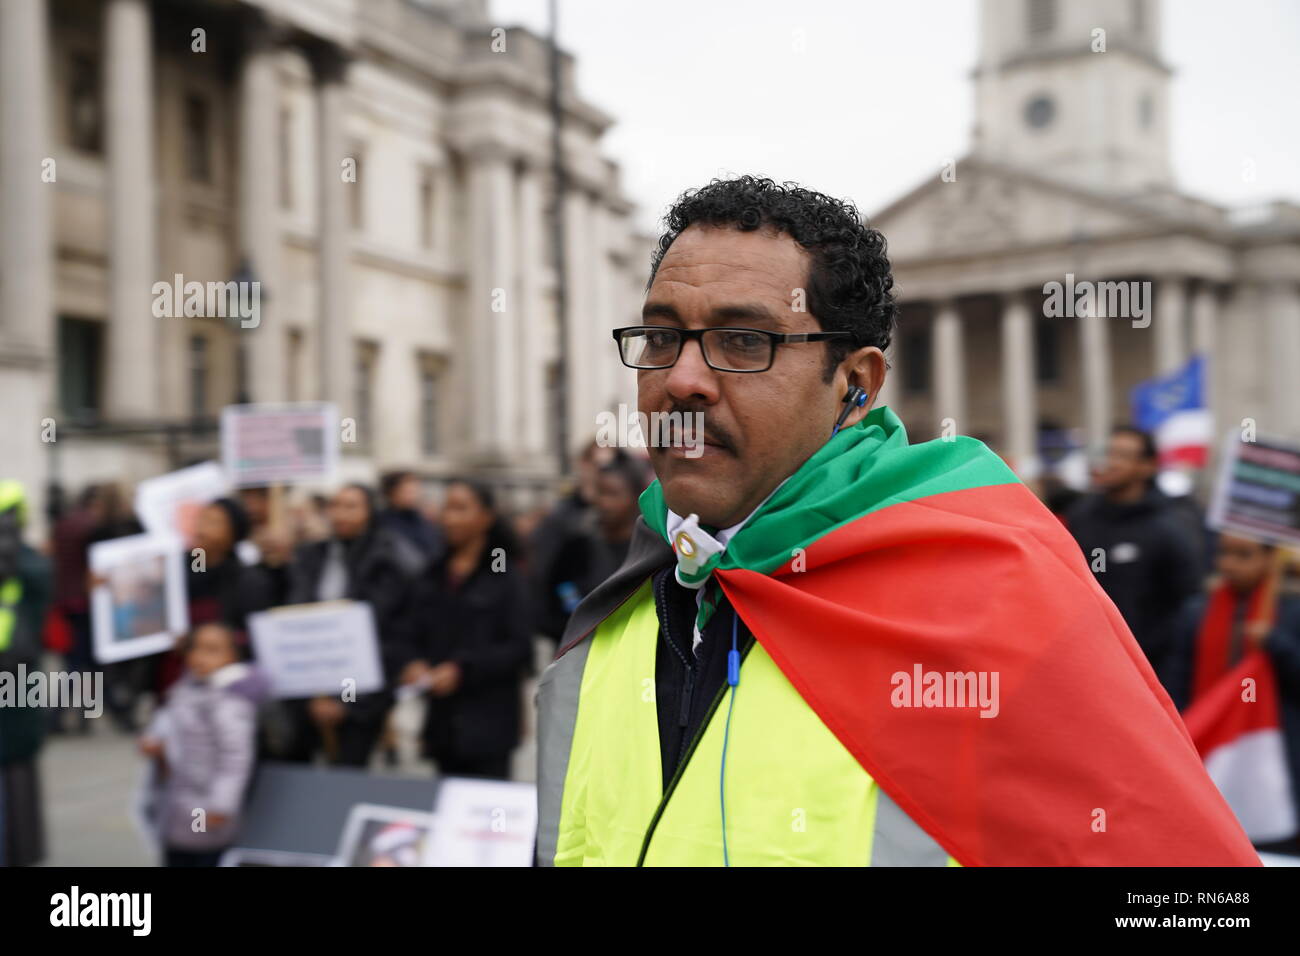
<point x="219" y="587"/>
<point x="358" y="562"/>
<point x="1141" y="550"/>
<point x="402" y="514"/>
<point x="1215" y="630"/>
<point x="473" y="640"/>
<point x="25" y="592"/>
<point x="561" y="543"/>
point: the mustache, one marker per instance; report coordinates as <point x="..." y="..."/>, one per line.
<point x="713" y="434"/>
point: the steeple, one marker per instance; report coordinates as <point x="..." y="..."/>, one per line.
<point x="1075" y="91"/>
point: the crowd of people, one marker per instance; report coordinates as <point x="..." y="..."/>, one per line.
<point x="462" y="590"/>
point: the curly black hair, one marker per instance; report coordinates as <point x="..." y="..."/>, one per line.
<point x="850" y="287"/>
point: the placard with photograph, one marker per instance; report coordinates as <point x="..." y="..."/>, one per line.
<point x="484" y="823"/>
<point x="138" y="602"/>
<point x="307" y="650"/>
<point x="279" y="443"/>
<point x="170" y="503"/>
<point x="385" y="836"/>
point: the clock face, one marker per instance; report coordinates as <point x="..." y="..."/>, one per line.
<point x="1039" y="111"/>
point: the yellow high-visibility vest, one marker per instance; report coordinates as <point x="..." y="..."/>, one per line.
<point x="794" y="795"/>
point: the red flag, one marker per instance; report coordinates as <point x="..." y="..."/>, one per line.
<point x="1237" y="730"/>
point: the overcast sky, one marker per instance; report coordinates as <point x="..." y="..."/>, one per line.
<point x="880" y="95"/>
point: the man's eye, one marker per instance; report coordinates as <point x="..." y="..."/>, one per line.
<point x="660" y="340"/>
<point x="744" y="341"/>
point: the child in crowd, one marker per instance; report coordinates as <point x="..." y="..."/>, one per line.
<point x="204" y="743"/>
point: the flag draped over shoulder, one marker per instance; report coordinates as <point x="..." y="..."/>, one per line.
<point x="880" y="564"/>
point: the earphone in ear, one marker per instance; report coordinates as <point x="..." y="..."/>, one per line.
<point x="855" y="397"/>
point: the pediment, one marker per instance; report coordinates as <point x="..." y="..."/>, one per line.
<point x="990" y="207"/>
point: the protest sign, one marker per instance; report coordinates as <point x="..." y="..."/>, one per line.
<point x="310" y="650"/>
<point x="269" y="444"/>
<point x="384" y="836"/>
<point x="483" y="823"/>
<point x="1258" y="490"/>
<point x="169" y="504"/>
<point x="138" y="601"/>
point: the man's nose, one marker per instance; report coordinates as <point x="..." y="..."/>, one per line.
<point x="691" y="379"/>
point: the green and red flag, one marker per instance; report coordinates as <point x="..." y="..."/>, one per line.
<point x="882" y="575"/>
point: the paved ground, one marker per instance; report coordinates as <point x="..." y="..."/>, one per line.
<point x="88" y="782"/>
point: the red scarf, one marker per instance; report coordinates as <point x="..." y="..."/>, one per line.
<point x="1213" y="640"/>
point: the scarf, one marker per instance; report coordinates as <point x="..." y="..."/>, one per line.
<point x="861" y="469"/>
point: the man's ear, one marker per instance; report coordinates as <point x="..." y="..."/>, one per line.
<point x="865" y="368"/>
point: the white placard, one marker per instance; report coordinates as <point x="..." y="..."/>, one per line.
<point x="169" y="504"/>
<point x="309" y="650"/>
<point x="138" y="603"/>
<point x="274" y="443"/>
<point x="484" y="823"/>
<point x="385" y="836"/>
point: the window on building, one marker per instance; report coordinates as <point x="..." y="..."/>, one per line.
<point x="198" y="138"/>
<point x="1047" y="351"/>
<point x="198" y="376"/>
<point x="426" y="207"/>
<point x="81" y="352"/>
<point x="916" y="362"/>
<point x="293" y="374"/>
<point x="286" y="158"/>
<point x="85" y="104"/>
<point x="364" y="391"/>
<point x="356" y="195"/>
<point x="429" y="407"/>
<point x="1040" y="18"/>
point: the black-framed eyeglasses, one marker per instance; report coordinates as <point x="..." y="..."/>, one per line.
<point x="725" y="349"/>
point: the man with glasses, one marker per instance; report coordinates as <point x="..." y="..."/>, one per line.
<point x="829" y="646"/>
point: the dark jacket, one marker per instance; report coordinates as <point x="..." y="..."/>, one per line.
<point x="1152" y="562"/>
<point x="226" y="593"/>
<point x="376" y="575"/>
<point x="417" y="530"/>
<point x="1283" y="647"/>
<point x="484" y="625"/>
<point x="551" y="541"/>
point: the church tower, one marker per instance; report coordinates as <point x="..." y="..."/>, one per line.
<point x="1075" y="91"/>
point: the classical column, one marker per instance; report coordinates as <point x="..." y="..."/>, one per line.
<point x="1019" y="403"/>
<point x="491" y="312"/>
<point x="26" y="267"/>
<point x="1282" y="328"/>
<point x="265" y="345"/>
<point x="336" y="348"/>
<point x="26" y="252"/>
<point x="531" y="345"/>
<point x="949" y="368"/>
<point x="1205" y="336"/>
<point x="581" y="410"/>
<point x="1094" y="344"/>
<point x="1170" y="326"/>
<point x="133" y="332"/>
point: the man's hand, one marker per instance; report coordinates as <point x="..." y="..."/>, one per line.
<point x="414" y="671"/>
<point x="444" y="679"/>
<point x="151" y="747"/>
<point x="327" y="711"/>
